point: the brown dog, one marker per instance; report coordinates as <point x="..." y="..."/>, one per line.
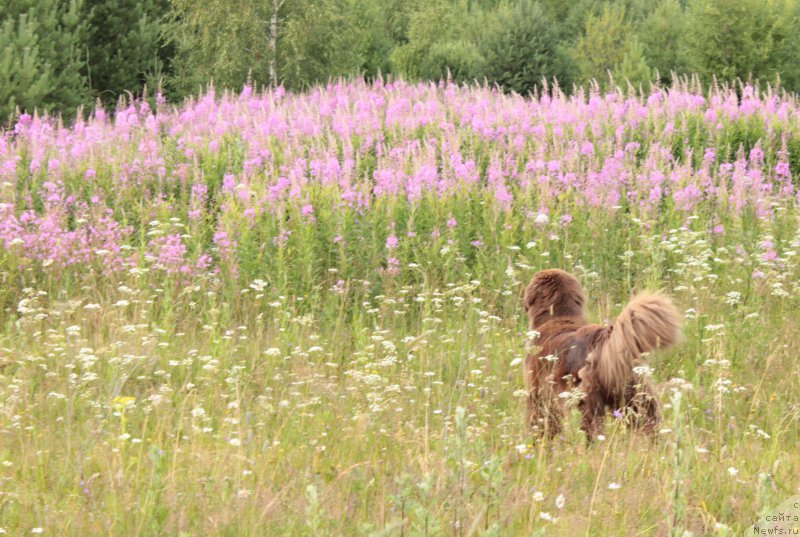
<point x="598" y="361"/>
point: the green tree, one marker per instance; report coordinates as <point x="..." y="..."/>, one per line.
<point x="23" y="81"/>
<point x="292" y="42"/>
<point x="373" y="20"/>
<point x="633" y="68"/>
<point x="608" y="38"/>
<point x="569" y="18"/>
<point x="214" y="43"/>
<point x="662" y="34"/>
<point x="786" y="34"/>
<point x="441" y="42"/>
<point x="41" y="61"/>
<point x="123" y="46"/>
<point x="521" y="48"/>
<point x="731" y="39"/>
<point x="322" y="39"/>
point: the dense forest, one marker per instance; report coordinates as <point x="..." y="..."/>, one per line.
<point x="59" y="55"/>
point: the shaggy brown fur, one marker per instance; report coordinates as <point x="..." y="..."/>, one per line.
<point x="597" y="360"/>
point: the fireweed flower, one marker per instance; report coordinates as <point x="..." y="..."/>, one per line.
<point x="145" y="205"/>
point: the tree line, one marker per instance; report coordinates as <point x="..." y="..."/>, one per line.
<point x="59" y="55"/>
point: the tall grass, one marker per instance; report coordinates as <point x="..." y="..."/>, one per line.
<point x="279" y="314"/>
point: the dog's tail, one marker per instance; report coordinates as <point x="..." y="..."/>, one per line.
<point x="650" y="321"/>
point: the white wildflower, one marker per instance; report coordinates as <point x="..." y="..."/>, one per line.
<point x="733" y="298"/>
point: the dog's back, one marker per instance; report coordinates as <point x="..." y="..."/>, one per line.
<point x="598" y="359"/>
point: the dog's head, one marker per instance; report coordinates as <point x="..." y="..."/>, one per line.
<point x="553" y="293"/>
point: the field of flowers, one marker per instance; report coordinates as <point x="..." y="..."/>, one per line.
<point x="299" y="314"/>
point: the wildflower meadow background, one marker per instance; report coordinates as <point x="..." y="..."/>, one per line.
<point x="271" y="313"/>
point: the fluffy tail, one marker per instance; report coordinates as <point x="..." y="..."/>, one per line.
<point x="649" y="321"/>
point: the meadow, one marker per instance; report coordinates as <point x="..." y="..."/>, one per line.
<point x="270" y="313"/>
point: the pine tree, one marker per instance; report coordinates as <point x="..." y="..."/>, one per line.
<point x="521" y="48"/>
<point x="23" y="81"/>
<point x="123" y="45"/>
<point x="41" y="61"/>
<point x="633" y="68"/>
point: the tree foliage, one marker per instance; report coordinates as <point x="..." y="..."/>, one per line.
<point x="441" y="43"/>
<point x="730" y="39"/>
<point x="662" y="35"/>
<point x="123" y="48"/>
<point x="215" y="44"/>
<point x="522" y="48"/>
<point x="61" y="54"/>
<point x="40" y="66"/>
<point x="322" y="39"/>
<point x="607" y="39"/>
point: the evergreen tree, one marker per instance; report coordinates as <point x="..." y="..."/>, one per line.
<point x="633" y="68"/>
<point x="41" y="42"/>
<point x="24" y="83"/>
<point x="522" y="48"/>
<point x="123" y="45"/>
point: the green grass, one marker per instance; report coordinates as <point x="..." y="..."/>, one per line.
<point x="146" y="406"/>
